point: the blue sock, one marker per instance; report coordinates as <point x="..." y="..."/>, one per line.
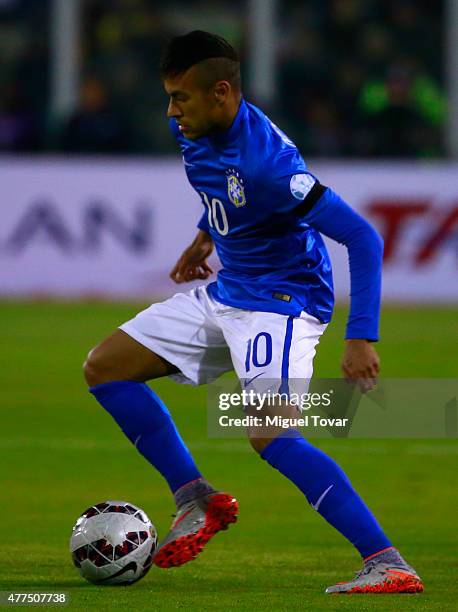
<point x="147" y="423"/>
<point x="327" y="489"/>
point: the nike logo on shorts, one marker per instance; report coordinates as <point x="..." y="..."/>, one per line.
<point x="250" y="380"/>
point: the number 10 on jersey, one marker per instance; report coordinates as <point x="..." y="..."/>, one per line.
<point x="217" y="217"/>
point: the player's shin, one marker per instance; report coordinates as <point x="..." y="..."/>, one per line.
<point x="147" y="423"/>
<point x="327" y="489"/>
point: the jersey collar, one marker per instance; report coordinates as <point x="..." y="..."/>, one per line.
<point x="224" y="138"/>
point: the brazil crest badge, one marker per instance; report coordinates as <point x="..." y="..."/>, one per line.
<point x="235" y="188"/>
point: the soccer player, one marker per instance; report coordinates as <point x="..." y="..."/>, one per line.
<point x="264" y="316"/>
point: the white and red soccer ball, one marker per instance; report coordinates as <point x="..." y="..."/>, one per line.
<point x="113" y="543"/>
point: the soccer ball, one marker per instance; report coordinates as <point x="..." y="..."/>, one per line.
<point x="113" y="543"/>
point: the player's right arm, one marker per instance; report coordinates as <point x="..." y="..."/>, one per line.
<point x="192" y="264"/>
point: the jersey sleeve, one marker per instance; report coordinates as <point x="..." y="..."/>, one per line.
<point x="287" y="183"/>
<point x="301" y="191"/>
<point x="333" y="217"/>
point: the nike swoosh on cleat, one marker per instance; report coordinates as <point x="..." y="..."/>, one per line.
<point x="182" y="517"/>
<point x="401" y="573"/>
<point x="316" y="505"/>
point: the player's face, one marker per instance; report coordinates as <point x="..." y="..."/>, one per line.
<point x="195" y="108"/>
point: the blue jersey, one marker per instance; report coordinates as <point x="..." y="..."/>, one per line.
<point x="254" y="185"/>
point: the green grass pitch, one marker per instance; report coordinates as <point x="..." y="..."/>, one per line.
<point x="61" y="453"/>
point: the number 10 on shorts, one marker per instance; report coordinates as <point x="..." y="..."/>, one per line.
<point x="259" y="351"/>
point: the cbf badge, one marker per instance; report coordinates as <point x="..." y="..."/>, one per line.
<point x="235" y="189"/>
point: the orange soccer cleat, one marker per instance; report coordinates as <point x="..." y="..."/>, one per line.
<point x="385" y="572"/>
<point x="195" y="524"/>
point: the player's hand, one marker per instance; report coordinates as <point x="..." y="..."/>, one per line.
<point x="361" y="364"/>
<point x="193" y="264"/>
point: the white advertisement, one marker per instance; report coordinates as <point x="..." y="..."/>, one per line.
<point x="115" y="228"/>
<point x="414" y="206"/>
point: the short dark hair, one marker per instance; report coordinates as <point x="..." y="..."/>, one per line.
<point x="217" y="56"/>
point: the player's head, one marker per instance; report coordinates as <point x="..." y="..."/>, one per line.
<point x="201" y="75"/>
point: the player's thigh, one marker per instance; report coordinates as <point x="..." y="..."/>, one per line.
<point x="182" y="331"/>
<point x="120" y="357"/>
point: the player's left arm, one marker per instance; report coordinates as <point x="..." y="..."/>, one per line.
<point x="193" y="264"/>
<point x="327" y="212"/>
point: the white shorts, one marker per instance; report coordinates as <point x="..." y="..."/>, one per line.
<point x="204" y="338"/>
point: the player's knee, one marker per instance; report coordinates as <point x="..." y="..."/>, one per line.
<point x="97" y="369"/>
